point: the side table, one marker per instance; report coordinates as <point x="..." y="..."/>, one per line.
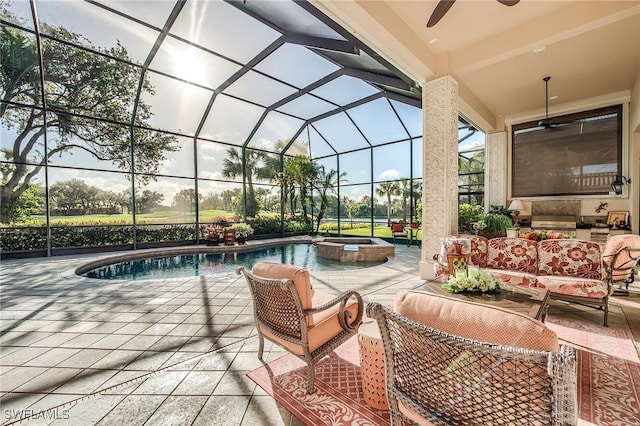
<point x="374" y="386"/>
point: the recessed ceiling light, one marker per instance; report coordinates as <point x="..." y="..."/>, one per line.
<point x="539" y="49"/>
<point x="433" y="40"/>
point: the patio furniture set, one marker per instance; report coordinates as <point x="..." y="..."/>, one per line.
<point x="576" y="271"/>
<point x="451" y="359"/>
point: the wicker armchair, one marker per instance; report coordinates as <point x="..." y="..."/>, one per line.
<point x="620" y="255"/>
<point x="434" y="377"/>
<point x="309" y="324"/>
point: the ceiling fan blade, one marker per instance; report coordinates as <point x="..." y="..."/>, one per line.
<point x="441" y="8"/>
<point x="509" y="2"/>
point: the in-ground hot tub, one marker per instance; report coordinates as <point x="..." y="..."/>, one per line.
<point x="354" y="249"/>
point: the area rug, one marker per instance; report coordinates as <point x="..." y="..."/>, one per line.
<point x="608" y="380"/>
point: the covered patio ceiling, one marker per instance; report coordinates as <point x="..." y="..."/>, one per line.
<point x="499" y="54"/>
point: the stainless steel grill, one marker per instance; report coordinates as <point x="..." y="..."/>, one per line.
<point x="566" y="224"/>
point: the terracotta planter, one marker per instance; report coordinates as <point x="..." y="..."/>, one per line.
<point x="241" y="240"/>
<point x="213" y="239"/>
<point x="229" y="236"/>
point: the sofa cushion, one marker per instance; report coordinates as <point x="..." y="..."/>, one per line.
<point x="574" y="286"/>
<point x="516" y="254"/>
<point x="514" y="278"/>
<point x="569" y="257"/>
<point x="476" y="321"/>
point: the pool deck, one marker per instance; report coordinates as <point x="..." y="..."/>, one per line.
<point x="80" y="351"/>
<point x="85" y="351"/>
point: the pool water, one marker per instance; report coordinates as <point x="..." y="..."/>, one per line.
<point x="193" y="265"/>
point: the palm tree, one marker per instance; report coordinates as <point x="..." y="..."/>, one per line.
<point x="301" y="171"/>
<point x="387" y="189"/>
<point x="232" y="168"/>
<point x="325" y="182"/>
<point x="405" y="192"/>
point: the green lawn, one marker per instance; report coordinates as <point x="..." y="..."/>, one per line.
<point x="165" y="216"/>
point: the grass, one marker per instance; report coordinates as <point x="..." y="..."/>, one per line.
<point x="165" y="216"/>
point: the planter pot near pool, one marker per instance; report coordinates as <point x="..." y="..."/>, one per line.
<point x="241" y="240"/>
<point x="213" y="241"/>
<point x="229" y="236"/>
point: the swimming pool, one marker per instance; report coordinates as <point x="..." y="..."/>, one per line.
<point x="195" y="264"/>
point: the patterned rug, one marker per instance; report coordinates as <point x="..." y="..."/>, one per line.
<point x="608" y="380"/>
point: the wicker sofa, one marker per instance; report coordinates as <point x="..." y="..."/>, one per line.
<point x="572" y="269"/>
<point x="454" y="362"/>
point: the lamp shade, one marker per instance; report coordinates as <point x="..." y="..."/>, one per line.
<point x="517" y="205"/>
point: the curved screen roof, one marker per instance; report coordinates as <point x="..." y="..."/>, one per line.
<point x="262" y="74"/>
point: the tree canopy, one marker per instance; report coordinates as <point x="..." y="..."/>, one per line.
<point x="89" y="104"/>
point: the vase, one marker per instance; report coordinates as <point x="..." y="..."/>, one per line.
<point x="241" y="240"/>
<point x="213" y="240"/>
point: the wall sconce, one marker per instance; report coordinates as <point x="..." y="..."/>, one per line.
<point x="617" y="184"/>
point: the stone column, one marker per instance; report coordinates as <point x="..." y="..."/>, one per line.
<point x="496" y="156"/>
<point x="439" y="167"/>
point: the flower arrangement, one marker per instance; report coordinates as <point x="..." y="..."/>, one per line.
<point x="473" y="281"/>
<point x="214" y="230"/>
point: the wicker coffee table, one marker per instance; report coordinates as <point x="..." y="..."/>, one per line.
<point x="530" y="301"/>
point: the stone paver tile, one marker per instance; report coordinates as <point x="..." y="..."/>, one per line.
<point x="83" y="340"/>
<point x="186" y="309"/>
<point x="265" y="411"/>
<point x="87" y="382"/>
<point x="52" y="357"/>
<point x="123" y="382"/>
<point x="177" y="410"/>
<point x="49" y="380"/>
<point x="117" y="359"/>
<point x="162" y="383"/>
<point x="14" y="404"/>
<point x="140" y="342"/>
<point x="85" y="358"/>
<point x="132" y="328"/>
<point x="222" y="410"/>
<point x="149" y="361"/>
<point x="127" y="317"/>
<point x="53" y="340"/>
<point x="199" y="383"/>
<point x="18" y="376"/>
<point x="22" y="355"/>
<point x="215" y="361"/>
<point x="185" y="330"/>
<point x="199" y="344"/>
<point x="112" y="341"/>
<point x="19" y="338"/>
<point x="235" y="383"/>
<point x="132" y="411"/>
<point x="246" y="361"/>
<point x="169" y="343"/>
<point x="90" y="411"/>
<point x="182" y="361"/>
<point x="159" y="329"/>
<point x="107" y="327"/>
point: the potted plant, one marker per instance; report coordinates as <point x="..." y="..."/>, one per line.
<point x="494" y="223"/>
<point x="213" y="234"/>
<point x="242" y="231"/>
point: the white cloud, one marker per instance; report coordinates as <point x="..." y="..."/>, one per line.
<point x="389" y="174"/>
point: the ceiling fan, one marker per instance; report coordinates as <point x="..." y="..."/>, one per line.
<point x="444" y="5"/>
<point x="546" y="122"/>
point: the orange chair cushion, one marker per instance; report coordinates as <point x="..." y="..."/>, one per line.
<point x="476" y="321"/>
<point x="299" y="276"/>
<point x="326" y="324"/>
